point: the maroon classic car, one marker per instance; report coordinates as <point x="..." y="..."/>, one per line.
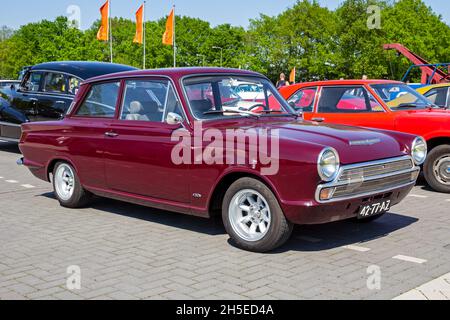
<point x="173" y="139"/>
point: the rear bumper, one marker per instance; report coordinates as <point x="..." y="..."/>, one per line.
<point x="313" y="212"/>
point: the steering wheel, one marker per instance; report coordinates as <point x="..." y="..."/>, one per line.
<point x="256" y="106"/>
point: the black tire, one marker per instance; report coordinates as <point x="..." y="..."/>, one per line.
<point x="280" y="229"/>
<point x="431" y="176"/>
<point x="370" y="219"/>
<point x="79" y="198"/>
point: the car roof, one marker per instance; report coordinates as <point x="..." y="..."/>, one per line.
<point x="175" y="73"/>
<point x="83" y="69"/>
<point x="345" y="82"/>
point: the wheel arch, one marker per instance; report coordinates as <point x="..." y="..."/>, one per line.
<point x="224" y="183"/>
<point x="436" y="141"/>
<point x="52" y="163"/>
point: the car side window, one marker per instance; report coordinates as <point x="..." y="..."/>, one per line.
<point x="438" y="96"/>
<point x="149" y="100"/>
<point x="32" y="81"/>
<point x="55" y="83"/>
<point x="74" y="85"/>
<point x="304" y="99"/>
<point x="101" y="101"/>
<point x="355" y="99"/>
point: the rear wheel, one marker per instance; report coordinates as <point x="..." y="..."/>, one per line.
<point x="437" y="169"/>
<point x="67" y="187"/>
<point x="253" y="217"/>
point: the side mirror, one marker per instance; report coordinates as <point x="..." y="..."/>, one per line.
<point x="292" y="104"/>
<point x="174" y="119"/>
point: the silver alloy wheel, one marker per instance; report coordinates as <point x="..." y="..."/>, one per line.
<point x="249" y="215"/>
<point x="441" y="168"/>
<point x="64" y="182"/>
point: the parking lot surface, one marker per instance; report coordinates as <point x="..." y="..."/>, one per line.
<point x="126" y="251"/>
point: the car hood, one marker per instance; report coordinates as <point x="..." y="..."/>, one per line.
<point x="353" y="144"/>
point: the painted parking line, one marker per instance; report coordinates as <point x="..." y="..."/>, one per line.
<point x="417" y="196"/>
<point x="11" y="181"/>
<point x="409" y="259"/>
<point x="448" y="200"/>
<point x="309" y="239"/>
<point x="28" y="186"/>
<point x="357" y="248"/>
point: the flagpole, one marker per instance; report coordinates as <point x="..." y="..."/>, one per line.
<point x="174" y="40"/>
<point x="144" y="33"/>
<point x="110" y="32"/>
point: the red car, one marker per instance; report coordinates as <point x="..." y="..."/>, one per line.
<point x="380" y="104"/>
<point x="146" y="137"/>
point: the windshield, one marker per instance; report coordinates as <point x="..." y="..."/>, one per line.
<point x="216" y="97"/>
<point x="400" y="97"/>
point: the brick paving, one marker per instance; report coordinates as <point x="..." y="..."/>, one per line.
<point x="131" y="252"/>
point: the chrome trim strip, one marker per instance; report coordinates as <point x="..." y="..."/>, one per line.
<point x="140" y="77"/>
<point x="9" y="124"/>
<point x="336" y="182"/>
<point x="9" y="139"/>
<point x="250" y="74"/>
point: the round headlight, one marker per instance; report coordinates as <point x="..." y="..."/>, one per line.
<point x="328" y="164"/>
<point x="419" y="150"/>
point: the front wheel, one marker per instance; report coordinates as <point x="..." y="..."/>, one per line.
<point x="437" y="169"/>
<point x="253" y="217"/>
<point x="67" y="187"/>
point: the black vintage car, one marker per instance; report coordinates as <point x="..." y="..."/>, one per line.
<point x="46" y="92"/>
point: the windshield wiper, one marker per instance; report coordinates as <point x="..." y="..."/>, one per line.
<point x="409" y="105"/>
<point x="247" y="113"/>
<point x="281" y="114"/>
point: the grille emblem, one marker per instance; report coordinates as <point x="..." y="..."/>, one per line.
<point x="367" y="142"/>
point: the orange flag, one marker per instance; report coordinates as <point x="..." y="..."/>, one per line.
<point x="139" y="37"/>
<point x="103" y="33"/>
<point x="168" y="35"/>
<point x="292" y="76"/>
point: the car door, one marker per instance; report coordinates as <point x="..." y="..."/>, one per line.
<point x="138" y="152"/>
<point x="25" y="101"/>
<point x="351" y="105"/>
<point x="87" y="128"/>
<point x="55" y="99"/>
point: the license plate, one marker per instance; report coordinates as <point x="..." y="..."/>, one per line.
<point x="374" y="209"/>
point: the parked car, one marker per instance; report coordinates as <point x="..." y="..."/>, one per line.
<point x="439" y="94"/>
<point x="117" y="141"/>
<point x="46" y="92"/>
<point x="387" y="105"/>
<point x="9" y="84"/>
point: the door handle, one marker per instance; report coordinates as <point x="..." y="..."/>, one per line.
<point x="318" y="119"/>
<point x="111" y="134"/>
<point x="33" y="100"/>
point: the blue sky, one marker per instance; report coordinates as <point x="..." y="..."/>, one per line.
<point x="236" y="12"/>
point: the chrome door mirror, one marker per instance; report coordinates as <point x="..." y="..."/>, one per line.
<point x="174" y="118"/>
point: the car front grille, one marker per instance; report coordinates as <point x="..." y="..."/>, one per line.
<point x="375" y="170"/>
<point x="367" y="179"/>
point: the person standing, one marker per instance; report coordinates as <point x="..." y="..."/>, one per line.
<point x="282" y="82"/>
